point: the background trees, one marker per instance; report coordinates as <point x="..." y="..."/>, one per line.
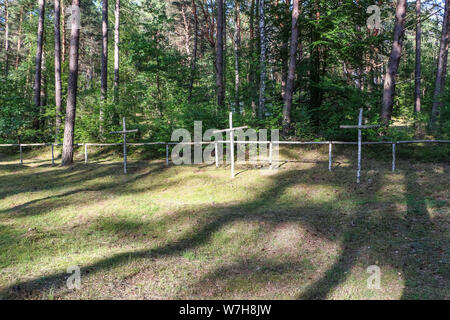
<point x="196" y="59"/>
<point x="418" y="72"/>
<point x="38" y="61"/>
<point x="291" y="71"/>
<point x="394" y="61"/>
<point x="58" y="89"/>
<point x="69" y="128"/>
<point x="441" y="65"/>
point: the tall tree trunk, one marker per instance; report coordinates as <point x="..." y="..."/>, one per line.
<point x="38" y="73"/>
<point x="67" y="154"/>
<point x="186" y="27"/>
<point x="104" y="63"/>
<point x="394" y="61"/>
<point x="219" y="55"/>
<point x="418" y="71"/>
<point x="262" y="62"/>
<point x="116" y="51"/>
<point x="194" y="52"/>
<point x="158" y="80"/>
<point x="314" y="72"/>
<point x="284" y="50"/>
<point x="63" y="24"/>
<point x="43" y="98"/>
<point x="58" y="90"/>
<point x="291" y="73"/>
<point x="27" y="79"/>
<point x="6" y="37"/>
<point x="19" y="38"/>
<point x="442" y="65"/>
<point x="237" y="44"/>
<point x="251" y="68"/>
<point x="224" y="59"/>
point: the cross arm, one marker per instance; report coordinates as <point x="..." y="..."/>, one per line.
<point x="360" y="127"/>
<point x="228" y="130"/>
<point x="124" y="132"/>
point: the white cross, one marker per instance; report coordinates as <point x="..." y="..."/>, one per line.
<point x="231" y="131"/>
<point x="360" y="127"/>
<point x="124" y="133"/>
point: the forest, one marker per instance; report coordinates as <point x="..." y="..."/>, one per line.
<point x="80" y="220"/>
<point x="71" y="70"/>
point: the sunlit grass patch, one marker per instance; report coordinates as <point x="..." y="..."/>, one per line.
<point x="190" y="232"/>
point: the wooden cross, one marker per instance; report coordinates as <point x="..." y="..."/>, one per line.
<point x="360" y="127"/>
<point x="124" y="133"/>
<point x="231" y="131"/>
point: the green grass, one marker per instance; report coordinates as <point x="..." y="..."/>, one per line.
<point x="190" y="232"/>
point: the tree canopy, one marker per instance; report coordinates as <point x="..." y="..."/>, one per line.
<point x="179" y="61"/>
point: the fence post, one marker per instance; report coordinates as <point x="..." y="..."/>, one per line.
<point x="330" y="147"/>
<point x="232" y="152"/>
<point x="393" y="157"/>
<point x="21" y="159"/>
<point x="167" y="154"/>
<point x="53" y="156"/>
<point x="85" y="153"/>
<point x="270" y="154"/>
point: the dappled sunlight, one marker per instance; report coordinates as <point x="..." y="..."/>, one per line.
<point x="317" y="194"/>
<point x="214" y="164"/>
<point x="393" y="185"/>
<point x="438" y="169"/>
<point x="190" y="232"/>
<point x="355" y="285"/>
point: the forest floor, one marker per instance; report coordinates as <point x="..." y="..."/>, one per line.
<point x="183" y="232"/>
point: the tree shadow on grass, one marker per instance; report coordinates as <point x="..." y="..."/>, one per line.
<point x="63" y="177"/>
<point x="13" y="184"/>
<point x="47" y="204"/>
<point x="405" y="241"/>
<point x="426" y="267"/>
<point x="385" y="232"/>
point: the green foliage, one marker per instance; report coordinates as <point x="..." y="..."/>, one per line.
<point x="155" y="73"/>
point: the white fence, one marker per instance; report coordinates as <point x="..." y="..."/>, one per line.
<point x="270" y="143"/>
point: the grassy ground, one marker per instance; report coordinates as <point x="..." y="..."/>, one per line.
<point x="189" y="232"/>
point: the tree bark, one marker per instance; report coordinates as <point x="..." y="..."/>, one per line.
<point x="284" y="50"/>
<point x="417" y="100"/>
<point x="291" y="73"/>
<point x="63" y="38"/>
<point x="38" y="73"/>
<point x="186" y="27"/>
<point x="104" y="63"/>
<point x="394" y="61"/>
<point x="58" y="90"/>
<point x="237" y="44"/>
<point x="116" y="51"/>
<point x="262" y="62"/>
<point x="219" y="55"/>
<point x="67" y="154"/>
<point x="194" y="52"/>
<point x="314" y="72"/>
<point x="43" y="98"/>
<point x="442" y="65"/>
<point x="6" y="37"/>
<point x="19" y="38"/>
<point x="224" y="59"/>
<point x="158" y="81"/>
<point x="251" y="68"/>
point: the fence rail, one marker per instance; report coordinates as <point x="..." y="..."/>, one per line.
<point x="270" y="143"/>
